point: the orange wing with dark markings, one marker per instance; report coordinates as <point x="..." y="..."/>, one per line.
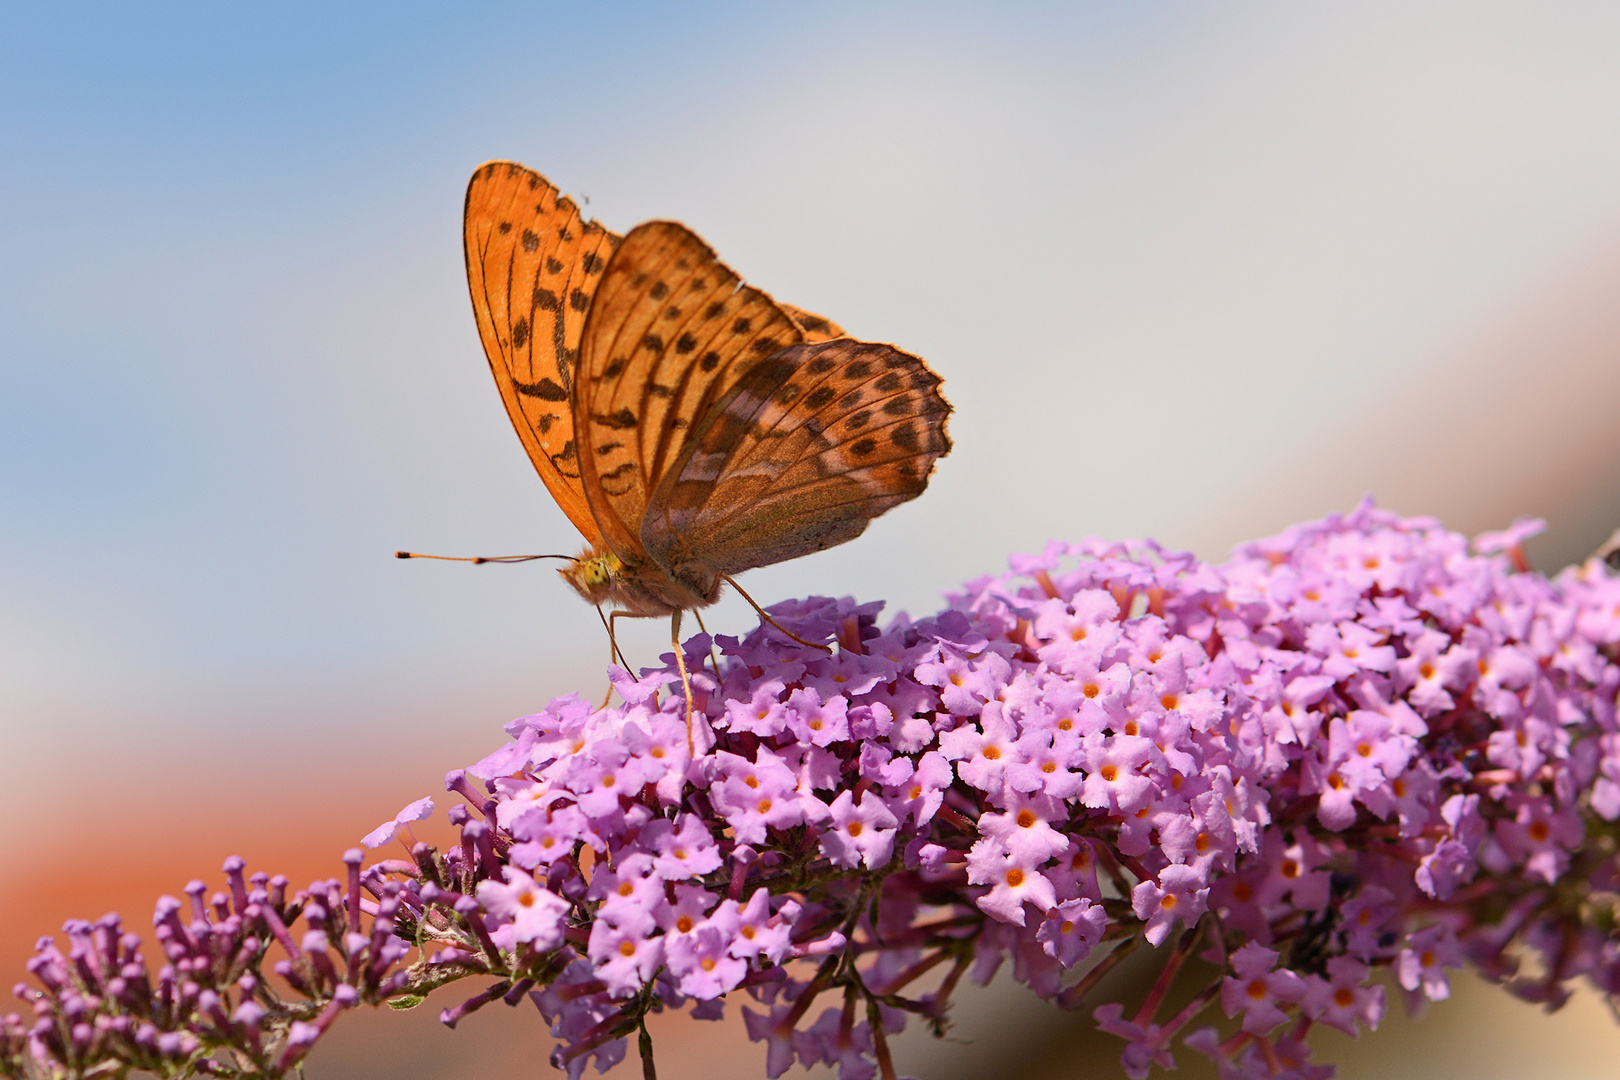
<point x="671" y="329"/>
<point x="672" y="411"/>
<point x="800" y="454"/>
<point x="533" y="267"/>
<point x="815" y="327"/>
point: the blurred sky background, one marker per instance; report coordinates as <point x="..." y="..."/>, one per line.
<point x="1189" y="272"/>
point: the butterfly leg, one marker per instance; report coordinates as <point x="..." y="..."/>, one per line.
<point x="686" y="679"/>
<point x="713" y="658"/>
<point x="729" y="580"/>
<point x="615" y="654"/>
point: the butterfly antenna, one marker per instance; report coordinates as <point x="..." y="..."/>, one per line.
<point x="481" y="558"/>
<point x="729" y="580"/>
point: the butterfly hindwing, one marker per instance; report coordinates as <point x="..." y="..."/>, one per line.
<point x="670" y="330"/>
<point x="533" y="267"/>
<point x="799" y="455"/>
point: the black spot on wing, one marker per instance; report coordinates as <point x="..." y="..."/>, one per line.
<point x="623" y="420"/>
<point x="578" y="300"/>
<point x="520" y="333"/>
<point x="659" y="291"/>
<point x="820" y="396"/>
<point x="553" y="265"/>
<point x="862" y="447"/>
<point x="686" y="343"/>
<point x="857" y="369"/>
<point x="710" y="361"/>
<point x="888" y="384"/>
<point x="544" y="389"/>
<point x="771" y="371"/>
<point x="592" y="263"/>
<point x="546" y="300"/>
<point x="820" y="365"/>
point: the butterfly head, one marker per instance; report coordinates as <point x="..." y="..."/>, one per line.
<point x="593" y="574"/>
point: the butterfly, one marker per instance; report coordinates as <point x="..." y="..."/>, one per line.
<point x="689" y="426"/>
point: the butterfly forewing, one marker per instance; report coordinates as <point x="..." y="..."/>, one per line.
<point x="799" y="455"/>
<point x="533" y="266"/>
<point x="815" y="327"/>
<point x="670" y="330"/>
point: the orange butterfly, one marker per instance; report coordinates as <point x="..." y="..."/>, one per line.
<point x="689" y="426"/>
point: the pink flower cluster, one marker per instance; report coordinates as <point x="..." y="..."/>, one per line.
<point x="1300" y="752"/>
<point x="1353" y="746"/>
<point x="211" y="1008"/>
